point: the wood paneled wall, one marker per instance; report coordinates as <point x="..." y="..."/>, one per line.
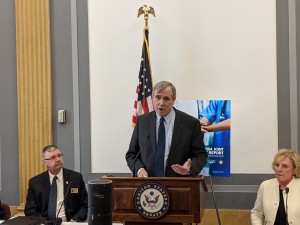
<point x="34" y="87"/>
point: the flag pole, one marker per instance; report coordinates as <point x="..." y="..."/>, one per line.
<point x="143" y="102"/>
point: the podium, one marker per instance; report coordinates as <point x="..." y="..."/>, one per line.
<point x="185" y="199"/>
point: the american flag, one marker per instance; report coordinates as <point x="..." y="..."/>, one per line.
<point x="143" y="102"/>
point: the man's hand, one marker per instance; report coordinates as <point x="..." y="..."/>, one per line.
<point x="183" y="170"/>
<point x="204" y="124"/>
<point x="143" y="173"/>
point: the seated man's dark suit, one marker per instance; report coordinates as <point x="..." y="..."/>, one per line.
<point x="187" y="142"/>
<point x="76" y="201"/>
<point x="1" y="211"/>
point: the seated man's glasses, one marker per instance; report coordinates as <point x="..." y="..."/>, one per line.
<point x="55" y="157"/>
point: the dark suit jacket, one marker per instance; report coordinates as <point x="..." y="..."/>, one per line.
<point x="187" y="142"/>
<point x="1" y="211"/>
<point x="76" y="204"/>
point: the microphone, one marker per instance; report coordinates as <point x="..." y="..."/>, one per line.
<point x="286" y="205"/>
<point x="58" y="221"/>
<point x="137" y="155"/>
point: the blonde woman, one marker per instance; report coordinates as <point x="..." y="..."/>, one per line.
<point x="277" y="200"/>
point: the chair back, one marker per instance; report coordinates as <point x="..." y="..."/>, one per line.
<point x="7" y="212"/>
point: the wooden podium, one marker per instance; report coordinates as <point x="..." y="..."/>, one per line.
<point x="186" y="200"/>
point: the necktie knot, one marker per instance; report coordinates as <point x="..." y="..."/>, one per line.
<point x="161" y="120"/>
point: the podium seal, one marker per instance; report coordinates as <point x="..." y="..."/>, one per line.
<point x="151" y="200"/>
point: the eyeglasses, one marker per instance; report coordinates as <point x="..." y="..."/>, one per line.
<point x="55" y="157"/>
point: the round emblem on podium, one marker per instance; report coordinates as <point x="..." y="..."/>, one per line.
<point x="151" y="200"/>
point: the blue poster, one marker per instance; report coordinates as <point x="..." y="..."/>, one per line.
<point x="214" y="117"/>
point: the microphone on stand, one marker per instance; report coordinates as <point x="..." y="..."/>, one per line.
<point x="286" y="205"/>
<point x="137" y="155"/>
<point x="58" y="221"/>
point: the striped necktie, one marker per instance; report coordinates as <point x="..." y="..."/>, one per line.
<point x="52" y="199"/>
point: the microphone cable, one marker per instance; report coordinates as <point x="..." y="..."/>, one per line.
<point x="214" y="198"/>
<point x="58" y="221"/>
<point x="137" y="155"/>
<point x="286" y="205"/>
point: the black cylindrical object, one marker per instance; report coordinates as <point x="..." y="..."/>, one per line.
<point x="99" y="202"/>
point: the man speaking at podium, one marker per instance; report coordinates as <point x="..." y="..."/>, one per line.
<point x="166" y="142"/>
<point x="58" y="192"/>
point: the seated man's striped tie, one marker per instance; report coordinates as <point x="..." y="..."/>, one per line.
<point x="52" y="200"/>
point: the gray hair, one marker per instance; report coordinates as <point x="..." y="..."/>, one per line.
<point x="162" y="85"/>
<point x="48" y="148"/>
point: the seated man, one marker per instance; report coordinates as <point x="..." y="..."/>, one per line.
<point x="71" y="201"/>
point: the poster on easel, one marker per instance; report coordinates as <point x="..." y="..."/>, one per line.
<point x="214" y="117"/>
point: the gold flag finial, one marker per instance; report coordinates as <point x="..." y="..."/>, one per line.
<point x="146" y="11"/>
